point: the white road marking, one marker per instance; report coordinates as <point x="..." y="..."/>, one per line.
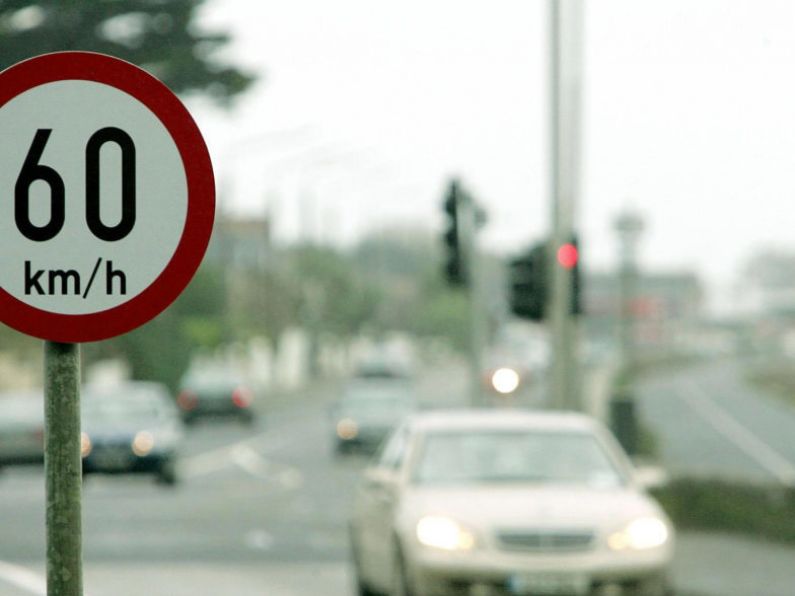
<point x="23" y="578"/>
<point x="221" y="457"/>
<point x="250" y="461"/>
<point x="767" y="457"/>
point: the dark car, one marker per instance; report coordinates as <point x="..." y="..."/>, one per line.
<point x="215" y="395"/>
<point x="368" y="410"/>
<point x="133" y="427"/>
<point x="21" y="428"/>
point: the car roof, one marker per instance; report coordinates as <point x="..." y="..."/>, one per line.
<point x="125" y="388"/>
<point x="501" y="419"/>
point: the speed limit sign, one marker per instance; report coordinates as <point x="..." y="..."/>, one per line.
<point x="107" y="197"/>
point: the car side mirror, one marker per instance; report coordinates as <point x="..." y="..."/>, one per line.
<point x="380" y="477"/>
<point x="650" y="477"/>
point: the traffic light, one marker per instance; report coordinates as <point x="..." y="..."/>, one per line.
<point x="454" y="266"/>
<point x="568" y="257"/>
<point x="528" y="278"/>
<point x="531" y="280"/>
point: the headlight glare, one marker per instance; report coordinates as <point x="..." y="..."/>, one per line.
<point x="444" y="533"/>
<point x="347" y="429"/>
<point x="505" y="380"/>
<point x="143" y="443"/>
<point x="85" y="444"/>
<point x="642" y="534"/>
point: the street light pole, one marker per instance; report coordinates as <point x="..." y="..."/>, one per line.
<point x="628" y="226"/>
<point x="565" y="32"/>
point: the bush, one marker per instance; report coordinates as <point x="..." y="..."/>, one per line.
<point x="762" y="511"/>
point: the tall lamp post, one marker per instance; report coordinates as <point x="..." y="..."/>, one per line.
<point x="628" y="227"/>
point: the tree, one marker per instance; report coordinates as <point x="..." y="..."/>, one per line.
<point x="161" y="350"/>
<point x="266" y="304"/>
<point x="160" y="36"/>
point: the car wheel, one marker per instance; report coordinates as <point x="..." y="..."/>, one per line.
<point x="167" y="474"/>
<point x="658" y="586"/>
<point x="360" y="585"/>
<point x="400" y="581"/>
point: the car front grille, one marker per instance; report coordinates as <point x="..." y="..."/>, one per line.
<point x="546" y="540"/>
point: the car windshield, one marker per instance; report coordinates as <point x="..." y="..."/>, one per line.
<point x="125" y="406"/>
<point x="375" y="406"/>
<point x="21" y="408"/>
<point x="514" y="457"/>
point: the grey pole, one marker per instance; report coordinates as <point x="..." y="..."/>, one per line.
<point x="628" y="226"/>
<point x="478" y="331"/>
<point x="63" y="468"/>
<point x="565" y="48"/>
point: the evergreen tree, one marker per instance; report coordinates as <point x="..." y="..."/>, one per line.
<point x="160" y="36"/>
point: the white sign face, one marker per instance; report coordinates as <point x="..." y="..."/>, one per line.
<point x="52" y="260"/>
<point x="106" y="197"/>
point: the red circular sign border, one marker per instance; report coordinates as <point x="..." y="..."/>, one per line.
<point x="187" y="257"/>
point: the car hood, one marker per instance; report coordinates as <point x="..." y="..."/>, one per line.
<point x="123" y="431"/>
<point x="380" y="419"/>
<point x="560" y="507"/>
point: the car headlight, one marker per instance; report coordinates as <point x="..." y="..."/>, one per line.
<point x="85" y="444"/>
<point x="444" y="533"/>
<point x="505" y="380"/>
<point x="641" y="534"/>
<point x="347" y="429"/>
<point x="143" y="443"/>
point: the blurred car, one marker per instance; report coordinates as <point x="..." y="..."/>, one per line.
<point x="130" y="428"/>
<point x="384" y="369"/>
<point x="498" y="502"/>
<point x="368" y="411"/>
<point x="213" y="394"/>
<point x="21" y="428"/>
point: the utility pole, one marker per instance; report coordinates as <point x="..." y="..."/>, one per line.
<point x="478" y="321"/>
<point x="565" y="48"/>
<point x="463" y="269"/>
<point x="628" y="227"/>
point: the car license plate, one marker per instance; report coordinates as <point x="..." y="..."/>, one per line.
<point x="548" y="584"/>
<point x="111" y="460"/>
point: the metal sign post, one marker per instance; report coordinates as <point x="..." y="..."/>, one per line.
<point x="62" y="468"/>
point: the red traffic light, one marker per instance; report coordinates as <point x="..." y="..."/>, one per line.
<point x="568" y="256"/>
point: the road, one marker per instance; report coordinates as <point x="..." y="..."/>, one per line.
<point x="263" y="510"/>
<point x="259" y="510"/>
<point x="709" y="421"/>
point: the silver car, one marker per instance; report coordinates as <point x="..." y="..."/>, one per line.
<point x="21" y="428"/>
<point x="507" y="502"/>
<point x="368" y="411"/>
<point x="132" y="427"/>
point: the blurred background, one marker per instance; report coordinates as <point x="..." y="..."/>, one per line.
<point x="536" y="205"/>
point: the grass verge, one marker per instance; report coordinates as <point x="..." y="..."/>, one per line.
<point x="766" y="512"/>
<point x="776" y="378"/>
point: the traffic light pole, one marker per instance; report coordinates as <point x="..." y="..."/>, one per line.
<point x="565" y="39"/>
<point x="63" y="469"/>
<point x="476" y="303"/>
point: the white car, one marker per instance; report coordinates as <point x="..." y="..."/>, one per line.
<point x="506" y="502"/>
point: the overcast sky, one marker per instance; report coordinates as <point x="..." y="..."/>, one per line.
<point x="365" y="107"/>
